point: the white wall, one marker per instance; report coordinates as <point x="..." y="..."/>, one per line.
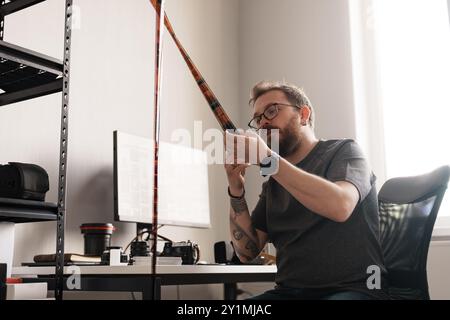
<point x="112" y="88"/>
<point x="305" y="42"/>
<point x="437" y="269"/>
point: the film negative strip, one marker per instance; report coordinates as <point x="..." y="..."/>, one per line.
<point x="159" y="7"/>
<point x="220" y="114"/>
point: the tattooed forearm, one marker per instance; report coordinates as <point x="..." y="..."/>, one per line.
<point x="239" y="205"/>
<point x="237" y="235"/>
<point x="237" y="230"/>
<point x="254" y="234"/>
<point x="251" y="244"/>
<point x="253" y="247"/>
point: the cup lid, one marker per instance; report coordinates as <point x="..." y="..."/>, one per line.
<point x="106" y="228"/>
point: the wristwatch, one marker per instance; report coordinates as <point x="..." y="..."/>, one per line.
<point x="269" y="165"/>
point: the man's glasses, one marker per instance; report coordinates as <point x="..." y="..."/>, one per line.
<point x="270" y="113"/>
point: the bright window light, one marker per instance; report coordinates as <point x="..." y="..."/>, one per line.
<point x="413" y="55"/>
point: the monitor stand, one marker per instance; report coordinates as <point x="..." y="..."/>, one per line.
<point x="141" y="227"/>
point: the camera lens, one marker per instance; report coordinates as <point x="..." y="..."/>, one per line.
<point x="97" y="237"/>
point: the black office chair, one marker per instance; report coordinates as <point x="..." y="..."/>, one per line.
<point x="408" y="209"/>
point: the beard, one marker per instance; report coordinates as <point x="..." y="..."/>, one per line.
<point x="289" y="138"/>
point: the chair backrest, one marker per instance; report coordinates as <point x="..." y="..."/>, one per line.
<point x="408" y="209"/>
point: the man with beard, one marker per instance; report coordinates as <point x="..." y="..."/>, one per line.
<point x="318" y="208"/>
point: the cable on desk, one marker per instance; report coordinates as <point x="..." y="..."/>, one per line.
<point x="142" y="233"/>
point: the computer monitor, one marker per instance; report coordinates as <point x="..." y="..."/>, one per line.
<point x="183" y="195"/>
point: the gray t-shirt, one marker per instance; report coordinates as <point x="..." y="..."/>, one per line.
<point x="316" y="252"/>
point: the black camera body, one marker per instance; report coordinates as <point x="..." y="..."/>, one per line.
<point x="187" y="250"/>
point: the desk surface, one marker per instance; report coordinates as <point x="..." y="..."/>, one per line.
<point x="132" y="270"/>
<point x="140" y="278"/>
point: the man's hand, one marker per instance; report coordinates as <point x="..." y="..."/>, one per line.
<point x="235" y="175"/>
<point x="245" y="148"/>
<point x="242" y="150"/>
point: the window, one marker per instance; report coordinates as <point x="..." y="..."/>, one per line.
<point x="405" y="46"/>
<point x="413" y="51"/>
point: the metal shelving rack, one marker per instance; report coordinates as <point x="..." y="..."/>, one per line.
<point x="24" y="75"/>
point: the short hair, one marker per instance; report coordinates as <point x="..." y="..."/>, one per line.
<point x="294" y="94"/>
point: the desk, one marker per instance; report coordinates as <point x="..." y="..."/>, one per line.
<point x="140" y="278"/>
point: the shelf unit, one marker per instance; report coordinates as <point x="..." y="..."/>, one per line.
<point x="24" y="75"/>
<point x="23" y="211"/>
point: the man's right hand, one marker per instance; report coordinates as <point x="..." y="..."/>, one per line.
<point x="236" y="180"/>
<point x="235" y="170"/>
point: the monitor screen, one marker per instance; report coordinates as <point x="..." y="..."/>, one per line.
<point x="183" y="195"/>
